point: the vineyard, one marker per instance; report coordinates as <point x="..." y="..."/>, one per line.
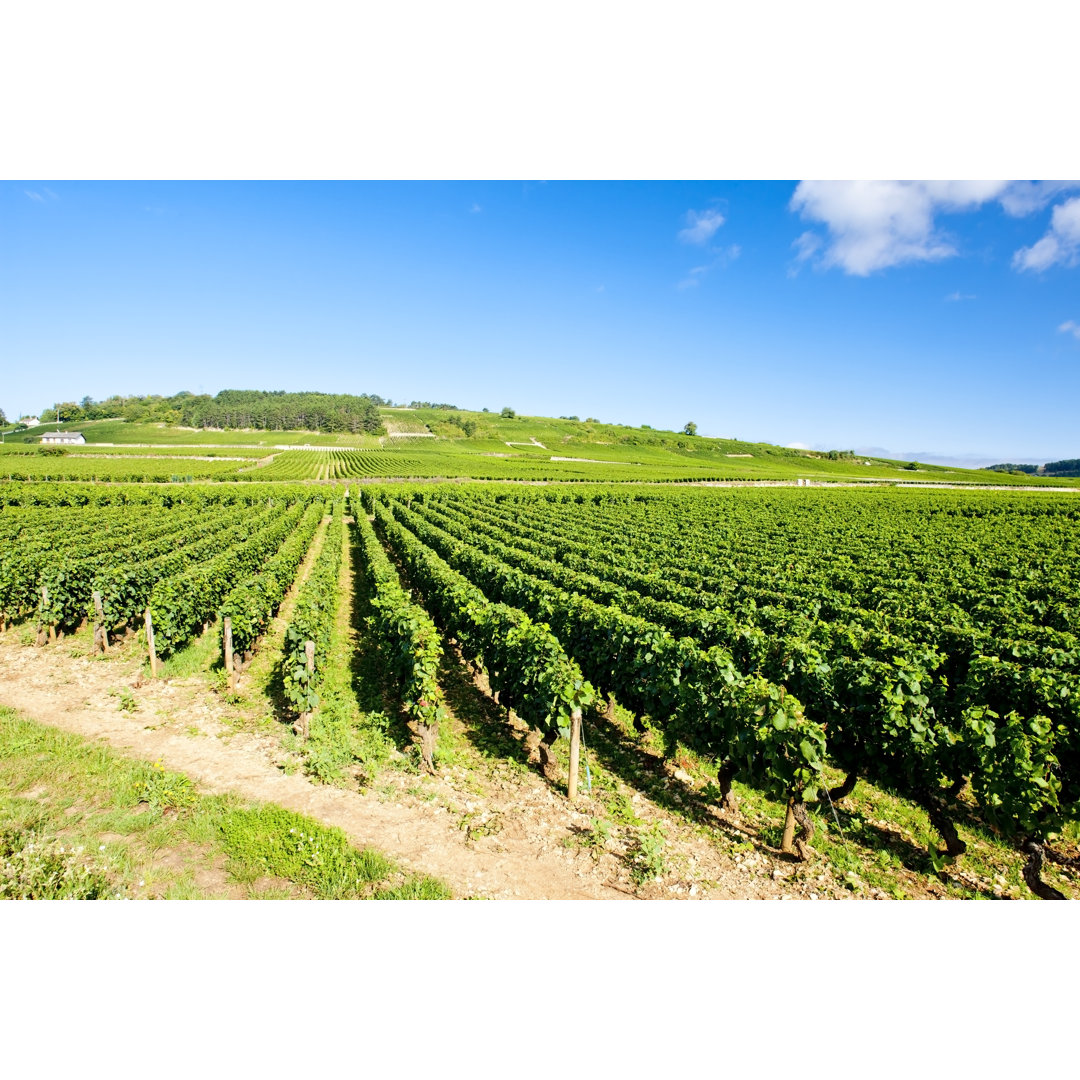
<point x="926" y="643"/>
<point x="125" y="469"/>
<point x="168" y="561"/>
<point x="797" y="643"/>
<point x="334" y="465"/>
<point x="439" y="462"/>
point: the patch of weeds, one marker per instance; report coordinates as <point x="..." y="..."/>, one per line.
<point x="339" y="739"/>
<point x="594" y="839"/>
<point x="711" y="792"/>
<point x="36" y="867"/>
<point x="619" y="807"/>
<point x="326" y="762"/>
<point x="163" y="790"/>
<point x="201" y="827"/>
<point x="771" y="835"/>
<point x="417" y="887"/>
<point x="646" y="856"/>
<point x="197" y="657"/>
<point x="127" y="701"/>
<point x="275" y="841"/>
<point x="481" y="823"/>
<point x="372" y="746"/>
<point x="273" y="892"/>
<point x="185" y="889"/>
<point x="411" y="760"/>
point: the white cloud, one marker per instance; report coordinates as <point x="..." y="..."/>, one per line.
<point x="797" y="446"/>
<point x="475" y="208"/>
<point x="1060" y="245"/>
<point x="34" y="195"/>
<point x="695" y="274"/>
<point x="806" y="244"/>
<point x="875" y="224"/>
<point x="957" y="296"/>
<point x="700" y="226"/>
<point x="1023" y="197"/>
<point x="1070" y="327"/>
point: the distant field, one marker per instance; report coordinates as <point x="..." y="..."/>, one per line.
<point x="120" y="431"/>
<point x="220" y="453"/>
<point x="522" y="448"/>
<point x="114" y="470"/>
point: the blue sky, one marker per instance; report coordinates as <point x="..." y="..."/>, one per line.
<point x="928" y="320"/>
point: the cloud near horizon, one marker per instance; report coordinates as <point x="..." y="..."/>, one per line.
<point x="876" y="224"/>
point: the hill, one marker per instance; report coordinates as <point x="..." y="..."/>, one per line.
<point x="446" y="442"/>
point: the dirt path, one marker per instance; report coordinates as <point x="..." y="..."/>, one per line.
<point x="488" y="828"/>
<point x="179" y="723"/>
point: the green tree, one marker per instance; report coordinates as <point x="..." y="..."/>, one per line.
<point x="690" y="428"/>
<point x="507" y="413"/>
<point x="67" y="411"/>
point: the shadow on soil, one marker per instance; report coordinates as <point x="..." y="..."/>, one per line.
<point x="485" y="724"/>
<point x="371" y="691"/>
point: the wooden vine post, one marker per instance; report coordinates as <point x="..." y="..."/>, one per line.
<point x="230" y="666"/>
<point x="150" y="644"/>
<point x="101" y="634"/>
<point x="44" y="607"/>
<point x="575" y="753"/>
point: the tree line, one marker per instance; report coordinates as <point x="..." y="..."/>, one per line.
<point x="1065" y="467"/>
<point x="268" y="410"/>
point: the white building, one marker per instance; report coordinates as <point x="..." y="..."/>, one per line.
<point x="63" y="438"/>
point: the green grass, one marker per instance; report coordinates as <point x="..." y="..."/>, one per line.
<point x="626" y="453"/>
<point x="350" y="735"/>
<point x="79" y="821"/>
<point x="240" y="455"/>
<point x="123" y="431"/>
